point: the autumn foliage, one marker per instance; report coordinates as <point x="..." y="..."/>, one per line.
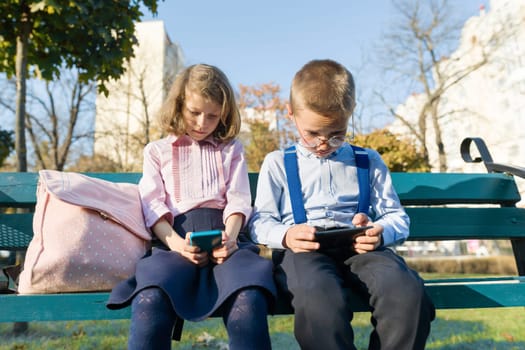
<point x="400" y="155"/>
<point x="265" y="118"/>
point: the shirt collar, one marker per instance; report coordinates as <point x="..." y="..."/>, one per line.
<point x="185" y="139"/>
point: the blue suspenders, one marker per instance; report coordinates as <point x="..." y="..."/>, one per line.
<point x="294" y="182"/>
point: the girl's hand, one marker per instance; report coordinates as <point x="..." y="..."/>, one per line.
<point x="192" y="253"/>
<point x="223" y="252"/>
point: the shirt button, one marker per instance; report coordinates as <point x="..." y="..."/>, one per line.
<point x="329" y="214"/>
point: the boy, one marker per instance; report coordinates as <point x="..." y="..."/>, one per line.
<point x="322" y="100"/>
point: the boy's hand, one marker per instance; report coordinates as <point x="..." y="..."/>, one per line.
<point x="300" y="239"/>
<point x="370" y="241"/>
<point x="361" y="219"/>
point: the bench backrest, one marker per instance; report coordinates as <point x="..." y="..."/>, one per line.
<point x="482" y="205"/>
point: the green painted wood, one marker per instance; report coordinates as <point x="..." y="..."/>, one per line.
<point x="466" y="223"/>
<point x="413" y="188"/>
<point x="448" y="188"/>
<point x="427" y="224"/>
<point x="482" y="294"/>
<point x="58" y="307"/>
<point x="446" y="294"/>
<point x="253" y="184"/>
<point x="16" y="231"/>
<point x="18" y="190"/>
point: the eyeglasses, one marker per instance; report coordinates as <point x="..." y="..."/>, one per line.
<point x="334" y="141"/>
<point x="316" y="141"/>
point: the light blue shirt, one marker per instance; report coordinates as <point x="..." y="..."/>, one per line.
<point x="330" y="192"/>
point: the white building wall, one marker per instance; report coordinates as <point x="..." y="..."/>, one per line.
<point x="136" y="96"/>
<point x="490" y="102"/>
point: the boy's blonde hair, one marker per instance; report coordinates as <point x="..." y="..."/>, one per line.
<point x="325" y="87"/>
<point x="211" y="83"/>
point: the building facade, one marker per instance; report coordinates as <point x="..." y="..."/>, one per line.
<point x="125" y="118"/>
<point x="487" y="103"/>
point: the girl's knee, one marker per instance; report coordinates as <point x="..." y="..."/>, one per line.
<point x="245" y="308"/>
<point x="248" y="301"/>
<point x="151" y="299"/>
<point x="245" y="320"/>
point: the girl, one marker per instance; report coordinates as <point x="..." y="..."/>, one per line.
<point x="196" y="179"/>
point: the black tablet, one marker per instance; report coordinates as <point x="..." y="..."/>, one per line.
<point x="206" y="240"/>
<point x="339" y="237"/>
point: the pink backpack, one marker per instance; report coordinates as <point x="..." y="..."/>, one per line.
<point x="88" y="234"/>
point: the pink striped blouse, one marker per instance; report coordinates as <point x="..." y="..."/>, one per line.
<point x="180" y="174"/>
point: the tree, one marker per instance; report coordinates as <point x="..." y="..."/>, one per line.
<point x="399" y="154"/>
<point x="261" y="141"/>
<point x="40" y="37"/>
<point x="6" y="144"/>
<point x="94" y="163"/>
<point x="264" y="111"/>
<point x="416" y="51"/>
<point x="59" y="117"/>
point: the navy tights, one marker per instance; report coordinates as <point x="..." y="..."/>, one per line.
<point x="244" y="315"/>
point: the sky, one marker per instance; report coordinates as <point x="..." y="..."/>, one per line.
<point x="258" y="42"/>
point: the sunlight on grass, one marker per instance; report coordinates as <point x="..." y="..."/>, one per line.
<point x="487" y="329"/>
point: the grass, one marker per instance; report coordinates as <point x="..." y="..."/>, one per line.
<point x="472" y="329"/>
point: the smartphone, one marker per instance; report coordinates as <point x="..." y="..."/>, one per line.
<point x="206" y="240"/>
<point x="339" y="237"/>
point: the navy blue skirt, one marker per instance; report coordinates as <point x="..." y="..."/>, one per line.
<point x="196" y="292"/>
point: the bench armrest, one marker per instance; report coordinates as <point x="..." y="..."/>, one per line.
<point x="486" y="158"/>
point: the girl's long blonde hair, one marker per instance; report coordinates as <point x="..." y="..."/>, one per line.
<point x="211" y="83"/>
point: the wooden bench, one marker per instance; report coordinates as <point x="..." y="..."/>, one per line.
<point x="482" y="207"/>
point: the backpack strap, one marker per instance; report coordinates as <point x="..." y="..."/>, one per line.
<point x="294" y="182"/>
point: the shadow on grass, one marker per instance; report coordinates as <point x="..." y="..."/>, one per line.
<point x="34" y="331"/>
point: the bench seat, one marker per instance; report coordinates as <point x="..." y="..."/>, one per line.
<point x="462" y="293"/>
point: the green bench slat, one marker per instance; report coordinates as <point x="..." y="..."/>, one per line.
<point x="447" y="188"/>
<point x="426" y="224"/>
<point x="465" y="294"/>
<point x="438" y="188"/>
<point x="18" y="189"/>
<point x="443" y="188"/>
<point x="466" y="223"/>
<point x="508" y="292"/>
<point x="58" y="307"/>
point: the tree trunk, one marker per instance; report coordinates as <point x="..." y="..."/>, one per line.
<point x="438" y="138"/>
<point x="21" y="74"/>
